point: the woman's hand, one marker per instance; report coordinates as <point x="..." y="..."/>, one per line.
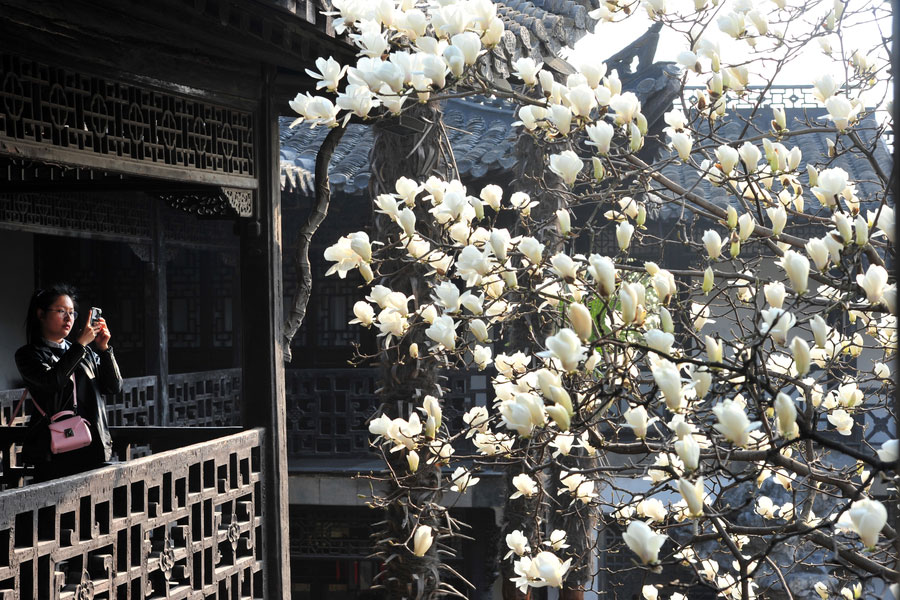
<point x="89" y="333"/>
<point x="103" y="335"/>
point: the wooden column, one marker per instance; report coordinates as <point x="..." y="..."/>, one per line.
<point x="262" y="397"/>
<point x="156" y="309"/>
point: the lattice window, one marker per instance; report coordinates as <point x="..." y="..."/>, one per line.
<point x="184" y="282"/>
<point x="328" y="408"/>
<point x="63" y="214"/>
<point x="124" y="124"/>
<point x="327" y="411"/>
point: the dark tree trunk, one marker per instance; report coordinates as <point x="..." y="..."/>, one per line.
<point x="408" y="146"/>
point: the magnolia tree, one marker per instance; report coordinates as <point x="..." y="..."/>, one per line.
<point x="715" y="413"/>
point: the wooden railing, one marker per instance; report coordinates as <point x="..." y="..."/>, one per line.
<point x="180" y="523"/>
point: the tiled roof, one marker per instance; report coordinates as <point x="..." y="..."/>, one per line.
<point x="479" y="131"/>
<point x="540" y="29"/>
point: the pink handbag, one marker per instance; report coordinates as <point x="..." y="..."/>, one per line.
<point x="68" y="431"/>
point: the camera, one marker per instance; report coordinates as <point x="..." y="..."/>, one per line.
<point x="95" y="314"/>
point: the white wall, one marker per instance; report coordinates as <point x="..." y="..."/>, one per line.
<point x="17" y="275"/>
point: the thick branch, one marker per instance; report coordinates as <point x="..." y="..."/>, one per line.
<point x="304" y="239"/>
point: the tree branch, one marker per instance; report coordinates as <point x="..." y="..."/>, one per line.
<point x="301" y="255"/>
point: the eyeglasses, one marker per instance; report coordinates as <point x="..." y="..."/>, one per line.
<point x="65" y="313"/>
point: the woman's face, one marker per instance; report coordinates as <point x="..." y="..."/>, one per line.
<point x="58" y="319"/>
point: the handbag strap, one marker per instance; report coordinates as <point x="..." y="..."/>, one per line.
<point x="18" y="407"/>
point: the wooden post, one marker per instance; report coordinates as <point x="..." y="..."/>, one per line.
<point x="262" y="396"/>
<point x="156" y="308"/>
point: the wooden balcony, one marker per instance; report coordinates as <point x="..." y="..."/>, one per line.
<point x="181" y="523"/>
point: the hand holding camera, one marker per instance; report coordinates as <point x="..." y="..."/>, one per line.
<point x="95" y="330"/>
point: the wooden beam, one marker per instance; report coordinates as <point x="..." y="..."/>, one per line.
<point x="18" y="149"/>
<point x="156" y="310"/>
<point x="262" y="397"/>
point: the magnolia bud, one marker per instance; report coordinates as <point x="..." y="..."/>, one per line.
<point x="414" y="350"/>
<point x="732" y="218"/>
<point x="665" y="320"/>
<point x="708" y="280"/>
<point x="735" y="244"/>
<point x="599" y="169"/>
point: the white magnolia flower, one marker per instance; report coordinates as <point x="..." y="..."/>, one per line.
<point x="786" y="415"/>
<point x="713" y="242"/>
<point x="525" y="486"/>
<point x="523" y="413"/>
<point x="889" y="452"/>
<point x="443" y="332"/>
<point x="567" y="348"/>
<point x="778" y="216"/>
<point x="527" y="69"/>
<point x="626" y="106"/>
<point x="732" y="23"/>
<point x="825" y="87"/>
<point x="561" y="117"/>
<point x="728" y="158"/>
<point x="668" y="380"/>
<point x="652" y="508"/>
<point x="682" y="142"/>
<point x="797" y="268"/>
<point x="636" y="419"/>
<point x="818" y="251"/>
<point x="545" y="569"/>
<point x="482" y="356"/>
<point x="522" y="202"/>
<point x="841" y="111"/>
<point x="582" y="100"/>
<point x="802" y="355"/>
<point x="765" y="507"/>
<point x="733" y="422"/>
<point x="600" y="134"/>
<point x="842" y="421"/>
<point x="660" y="341"/>
<point x="643" y="541"/>
<point x="462" y="480"/>
<point x="777" y="323"/>
<point x="422" y="540"/>
<point x="746" y="225"/>
<point x="624" y="231"/>
<point x="688" y="451"/>
<point x="774" y="293"/>
<point x="365" y="314"/>
<point x="868" y="517"/>
<point x="694" y="494"/>
<point x="603" y="271"/>
<point x="567" y="165"/>
<point x="873" y="283"/>
<point x="750" y="156"/>
<point x="517" y="543"/>
<point x="581" y="320"/>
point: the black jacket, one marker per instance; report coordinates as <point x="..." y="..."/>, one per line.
<point x="47" y="373"/>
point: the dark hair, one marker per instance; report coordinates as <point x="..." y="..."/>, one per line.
<point x="43" y="300"/>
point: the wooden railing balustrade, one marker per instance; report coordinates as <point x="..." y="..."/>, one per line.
<point x="182" y="523"/>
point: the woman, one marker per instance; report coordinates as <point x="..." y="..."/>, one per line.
<point x="48" y="364"/>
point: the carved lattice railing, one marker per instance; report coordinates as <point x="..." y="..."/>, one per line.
<point x="179" y="524"/>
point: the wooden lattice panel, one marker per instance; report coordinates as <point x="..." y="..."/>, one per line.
<point x="121" y="127"/>
<point x="180" y="524"/>
<point x="205" y="399"/>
